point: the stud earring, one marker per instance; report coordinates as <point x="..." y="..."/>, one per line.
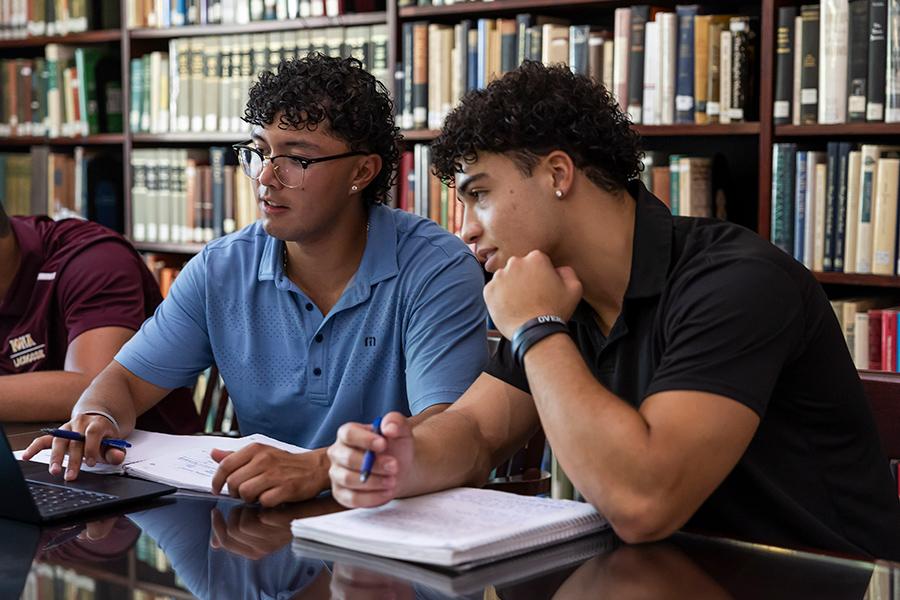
<point x="353" y="188"/>
<point x="559" y="193"/>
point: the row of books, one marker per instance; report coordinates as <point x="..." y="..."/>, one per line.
<point x="185" y="196"/>
<point x="176" y="13"/>
<point x="838" y="62"/>
<point x="23" y="18"/>
<point x="686" y="184"/>
<point x="870" y="329"/>
<point x="837" y="210"/>
<point x="70" y="92"/>
<point x="422" y="193"/>
<point x="680" y="67"/>
<point x="47" y="580"/>
<point x="86" y="184"/>
<point x="201" y="84"/>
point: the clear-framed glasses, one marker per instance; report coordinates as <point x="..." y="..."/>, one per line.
<point x="289" y="168"/>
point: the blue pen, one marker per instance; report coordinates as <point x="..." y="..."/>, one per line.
<point x="74" y="435"/>
<point x="369" y="458"/>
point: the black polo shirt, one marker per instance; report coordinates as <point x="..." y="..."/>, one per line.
<point x="712" y="307"/>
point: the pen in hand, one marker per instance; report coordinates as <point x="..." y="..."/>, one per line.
<point x="77" y="437"/>
<point x="369" y="458"/>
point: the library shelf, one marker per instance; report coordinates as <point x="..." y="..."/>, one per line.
<point x="684" y="130"/>
<point x="190" y="138"/>
<point x="688" y="130"/>
<point x="88" y="140"/>
<point x="168" y="248"/>
<point x="461" y="9"/>
<point x="348" y="20"/>
<point x="860" y="279"/>
<point x="842" y="129"/>
<point x="98" y="36"/>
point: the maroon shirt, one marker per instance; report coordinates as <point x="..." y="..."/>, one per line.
<point x="75" y="276"/>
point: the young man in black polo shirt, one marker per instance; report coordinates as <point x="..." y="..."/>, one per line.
<point x="703" y="382"/>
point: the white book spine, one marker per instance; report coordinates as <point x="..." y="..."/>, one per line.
<point x="819" y="236"/>
<point x="809" y="230"/>
<point x="798" y="64"/>
<point x="667" y="34"/>
<point x="622" y="38"/>
<point x="725" y="77"/>
<point x="650" y="105"/>
<point x="851" y="226"/>
<point x="868" y="181"/>
<point x="892" y="79"/>
<point x="884" y="233"/>
<point x="833" y="39"/>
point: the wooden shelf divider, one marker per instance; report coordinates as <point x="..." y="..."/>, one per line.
<point x="86" y="37"/>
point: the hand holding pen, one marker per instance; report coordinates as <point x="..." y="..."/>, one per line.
<point x="87" y="437"/>
<point x="370" y="463"/>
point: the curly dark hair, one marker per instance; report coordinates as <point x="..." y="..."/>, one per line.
<point x="533" y="111"/>
<point x="356" y="108"/>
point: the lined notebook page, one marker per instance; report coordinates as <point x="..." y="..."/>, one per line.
<point x="455" y="526"/>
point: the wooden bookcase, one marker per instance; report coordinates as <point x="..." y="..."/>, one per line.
<point x="755" y="138"/>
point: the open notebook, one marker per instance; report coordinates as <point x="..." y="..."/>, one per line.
<point x="182" y="461"/>
<point x="459" y="528"/>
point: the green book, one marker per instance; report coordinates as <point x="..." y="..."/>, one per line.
<point x="137" y="93"/>
<point x="86" y="60"/>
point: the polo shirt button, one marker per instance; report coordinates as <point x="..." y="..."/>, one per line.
<point x="319" y="337"/>
<point x="309" y="306"/>
<point x="317" y="371"/>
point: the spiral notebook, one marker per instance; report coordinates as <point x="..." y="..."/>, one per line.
<point x="459" y="528"/>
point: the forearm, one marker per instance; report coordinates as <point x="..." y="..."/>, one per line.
<point x="604" y="445"/>
<point x="115" y="391"/>
<point x="450" y="451"/>
<point x="40" y="396"/>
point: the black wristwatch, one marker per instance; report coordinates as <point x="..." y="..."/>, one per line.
<point x="534" y="331"/>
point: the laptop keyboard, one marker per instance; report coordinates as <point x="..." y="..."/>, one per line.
<point x="52" y="499"/>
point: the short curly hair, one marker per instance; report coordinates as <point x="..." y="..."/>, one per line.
<point x="356" y="107"/>
<point x="534" y="110"/>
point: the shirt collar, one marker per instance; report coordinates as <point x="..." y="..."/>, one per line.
<point x="650" y="254"/>
<point x="652" y="246"/>
<point x="379" y="261"/>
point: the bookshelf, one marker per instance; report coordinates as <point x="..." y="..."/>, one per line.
<point x="754" y="139"/>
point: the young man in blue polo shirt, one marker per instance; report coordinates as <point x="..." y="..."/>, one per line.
<point x="331" y="308"/>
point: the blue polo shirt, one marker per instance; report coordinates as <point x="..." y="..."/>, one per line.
<point x="408" y="332"/>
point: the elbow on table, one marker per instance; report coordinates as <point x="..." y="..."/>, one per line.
<point x="641" y="519"/>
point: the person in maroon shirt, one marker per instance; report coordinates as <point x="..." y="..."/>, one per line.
<point x="71" y="294"/>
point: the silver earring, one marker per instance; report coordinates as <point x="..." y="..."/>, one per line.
<point x="559" y="193"/>
<point x="353" y="188"/>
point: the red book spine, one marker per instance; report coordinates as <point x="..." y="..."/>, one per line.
<point x="889" y="340"/>
<point x="875" y="339"/>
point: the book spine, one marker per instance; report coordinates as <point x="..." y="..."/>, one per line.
<point x="784" y="65"/>
<point x="892" y="76"/>
<point x="579" y="51"/>
<point x="622" y="52"/>
<point x="701" y="67"/>
<point x="650" y="103"/>
<point x="800" y="207"/>
<point x="858" y="61"/>
<point x="875" y="320"/>
<point x="877" y="60"/>
<point x="830" y="205"/>
<point x="684" y="87"/>
<point x="217" y="193"/>
<point x="420" y="75"/>
<point x="639" y="17"/>
<point x="782" y="195"/>
<point x="809" y="72"/>
<point x="833" y="61"/>
<point x="840" y="209"/>
<point x="889" y="340"/>
<point x="743" y="68"/>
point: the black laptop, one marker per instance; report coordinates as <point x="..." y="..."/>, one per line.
<point x="33" y="495"/>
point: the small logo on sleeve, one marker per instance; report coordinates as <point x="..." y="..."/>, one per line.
<point x="24" y="351"/>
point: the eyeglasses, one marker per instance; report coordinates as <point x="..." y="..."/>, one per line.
<point x="289" y="168"/>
